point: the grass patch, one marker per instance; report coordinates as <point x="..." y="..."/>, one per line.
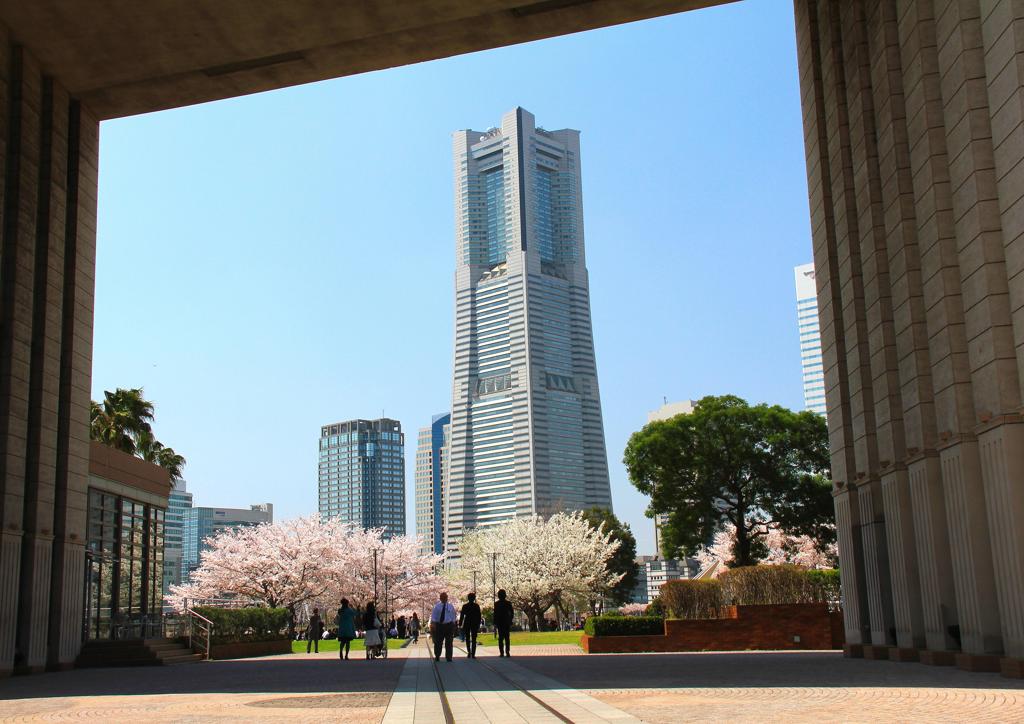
<point x="331" y="646"/>
<point x="534" y="638"/>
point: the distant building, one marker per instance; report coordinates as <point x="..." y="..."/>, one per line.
<point x="202" y="523"/>
<point x="431" y="460"/>
<point x="667" y="412"/>
<point x="653" y="572"/>
<point x="178" y="507"/>
<point x="362" y="474"/>
<point x="810" y="339"/>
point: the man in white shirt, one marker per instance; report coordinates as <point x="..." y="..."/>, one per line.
<point x="442" y="626"/>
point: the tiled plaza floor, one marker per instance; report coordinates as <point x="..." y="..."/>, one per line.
<point x="768" y="686"/>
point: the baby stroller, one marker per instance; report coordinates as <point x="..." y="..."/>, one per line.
<point x="376" y="642"/>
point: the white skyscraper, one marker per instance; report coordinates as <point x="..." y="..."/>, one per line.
<point x="526" y="429"/>
<point x="810" y="338"/>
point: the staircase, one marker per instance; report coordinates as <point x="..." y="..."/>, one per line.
<point x="136" y="652"/>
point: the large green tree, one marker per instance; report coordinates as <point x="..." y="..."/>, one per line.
<point x="624" y="559"/>
<point x="756" y="467"/>
<point x="124" y="421"/>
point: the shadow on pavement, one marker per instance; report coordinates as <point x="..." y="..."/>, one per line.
<point x="615" y="671"/>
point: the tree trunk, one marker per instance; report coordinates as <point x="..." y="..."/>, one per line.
<point x="742" y="552"/>
<point x="291" y="621"/>
<point x="531" y="617"/>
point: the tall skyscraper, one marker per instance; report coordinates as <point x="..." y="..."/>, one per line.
<point x="178" y="506"/>
<point x="526" y="430"/>
<point x="362" y="474"/>
<point x="810" y="338"/>
<point x="431" y="461"/>
<point x="202" y="523"/>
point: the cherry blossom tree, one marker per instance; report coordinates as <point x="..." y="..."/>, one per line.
<point x="634" y="609"/>
<point x="300" y="562"/>
<point x="540" y="563"/>
<point x="779" y="548"/>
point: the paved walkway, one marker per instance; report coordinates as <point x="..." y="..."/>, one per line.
<point x="765" y="686"/>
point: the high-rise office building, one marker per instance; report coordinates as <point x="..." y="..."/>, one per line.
<point x="810" y="338"/>
<point x="431" y="461"/>
<point x="362" y="474"/>
<point x="526" y="430"/>
<point x="178" y="506"/>
<point x="201" y="523"/>
<point x="666" y="412"/>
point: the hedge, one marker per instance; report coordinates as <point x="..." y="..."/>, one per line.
<point x="749" y="586"/>
<point x="624" y="626"/>
<point x="231" y="625"/>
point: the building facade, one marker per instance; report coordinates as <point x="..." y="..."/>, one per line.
<point x="362" y="474"/>
<point x="811" y="365"/>
<point x="431" y="464"/>
<point x="654" y="571"/>
<point x="526" y="430"/>
<point x="178" y="507"/>
<point x="665" y="412"/>
<point x="202" y="523"/>
<point x="124" y="555"/>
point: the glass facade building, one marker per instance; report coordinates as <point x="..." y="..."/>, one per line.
<point x="124" y="567"/>
<point x="526" y="430"/>
<point x="430" y="474"/>
<point x="202" y="523"/>
<point x="362" y="474"/>
<point x="178" y="507"/>
<point x="810" y="339"/>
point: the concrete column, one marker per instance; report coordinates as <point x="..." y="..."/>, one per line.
<point x="812" y="49"/>
<point x="972" y="554"/>
<point x="878" y="583"/>
<point x="1002" y="28"/>
<point x="903" y="567"/>
<point x="46" y="270"/>
<point x="935" y="573"/>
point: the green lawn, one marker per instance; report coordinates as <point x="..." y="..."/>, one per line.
<point x="534" y="638"/>
<point x="299" y="647"/>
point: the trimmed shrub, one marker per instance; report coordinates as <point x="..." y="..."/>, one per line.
<point x="231" y="625"/>
<point x="692" y="598"/>
<point x="826" y="585"/>
<point x="624" y="626"/>
<point x="656" y="608"/>
<point x="761" y="585"/>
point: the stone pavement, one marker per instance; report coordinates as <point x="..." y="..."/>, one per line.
<point x="750" y="686"/>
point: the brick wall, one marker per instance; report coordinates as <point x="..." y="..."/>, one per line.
<point x="791" y="626"/>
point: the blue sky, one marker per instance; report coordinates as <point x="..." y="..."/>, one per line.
<point x="272" y="263"/>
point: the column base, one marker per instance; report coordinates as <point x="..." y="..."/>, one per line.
<point x="876" y="653"/>
<point x="937" y="658"/>
<point x="898" y="654"/>
<point x="853" y="651"/>
<point x="1012" y="668"/>
<point x="978" y="662"/>
<point x="28" y="670"/>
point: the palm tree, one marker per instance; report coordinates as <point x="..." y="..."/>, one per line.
<point x="122" y="419"/>
<point x="123" y="422"/>
<point x="153" y="451"/>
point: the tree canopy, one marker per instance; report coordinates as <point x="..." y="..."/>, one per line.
<point x="124" y="421"/>
<point x="756" y="467"/>
<point x="623" y="561"/>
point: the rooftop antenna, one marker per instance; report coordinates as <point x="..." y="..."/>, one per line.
<point x="664" y="399"/>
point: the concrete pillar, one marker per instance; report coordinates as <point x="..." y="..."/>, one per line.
<point x="1002" y="441"/>
<point x="46" y="269"/>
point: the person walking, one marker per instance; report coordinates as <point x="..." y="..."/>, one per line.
<point x="373" y="636"/>
<point x="314" y="630"/>
<point x="469" y="622"/>
<point x="346" y="623"/>
<point x="503" y="615"/>
<point x="402" y="627"/>
<point x="414" y="628"/>
<point x="442" y="626"/>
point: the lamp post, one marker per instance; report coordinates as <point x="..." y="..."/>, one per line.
<point x="494" y="591"/>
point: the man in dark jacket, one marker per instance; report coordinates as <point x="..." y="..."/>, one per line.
<point x="314" y="631"/>
<point x="503" y="615"/>
<point x="469" y="622"/>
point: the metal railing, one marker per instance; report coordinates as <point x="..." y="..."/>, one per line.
<point x="199" y="627"/>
